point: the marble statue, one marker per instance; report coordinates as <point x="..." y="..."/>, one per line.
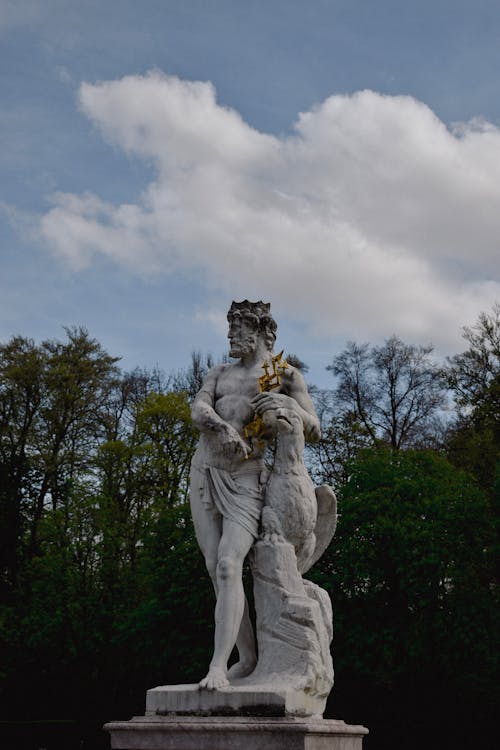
<point x="251" y="497"/>
<point x="240" y="505"/>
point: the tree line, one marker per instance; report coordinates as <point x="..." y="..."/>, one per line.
<point x="103" y="589"/>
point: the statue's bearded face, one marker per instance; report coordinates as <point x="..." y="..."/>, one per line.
<point x="243" y="334"/>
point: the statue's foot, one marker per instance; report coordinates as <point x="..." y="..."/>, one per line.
<point x="216" y="678"/>
<point x="242" y="668"/>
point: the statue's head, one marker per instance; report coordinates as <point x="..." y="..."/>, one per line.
<point x="249" y="322"/>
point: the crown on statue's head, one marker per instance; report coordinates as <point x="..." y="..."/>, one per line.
<point x="259" y="313"/>
<point x="261" y="309"/>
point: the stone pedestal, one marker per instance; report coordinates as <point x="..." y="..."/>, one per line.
<point x="233" y="733"/>
<point x="272" y="699"/>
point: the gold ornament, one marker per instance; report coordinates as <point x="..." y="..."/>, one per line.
<point x="255" y="430"/>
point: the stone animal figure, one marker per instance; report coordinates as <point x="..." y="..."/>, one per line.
<point x="294" y="509"/>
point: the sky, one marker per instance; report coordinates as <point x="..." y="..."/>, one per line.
<point x="338" y="158"/>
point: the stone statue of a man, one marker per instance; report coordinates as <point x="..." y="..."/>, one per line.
<point x="238" y="503"/>
<point x="228" y="476"/>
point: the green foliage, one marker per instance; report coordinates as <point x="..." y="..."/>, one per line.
<point x="52" y="401"/>
<point x="99" y="556"/>
<point x="474" y="377"/>
<point x="416" y="611"/>
<point x="342" y="437"/>
<point x="104" y="592"/>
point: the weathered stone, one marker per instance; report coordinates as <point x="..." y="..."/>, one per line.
<point x="240" y="409"/>
<point x="294" y="628"/>
<point x="235" y="700"/>
<point x="239" y="507"/>
<point x="238" y="733"/>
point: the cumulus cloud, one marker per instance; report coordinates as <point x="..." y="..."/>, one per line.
<point x="372" y="217"/>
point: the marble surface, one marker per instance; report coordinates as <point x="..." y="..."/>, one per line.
<point x="243" y="505"/>
<point x="228" y="733"/>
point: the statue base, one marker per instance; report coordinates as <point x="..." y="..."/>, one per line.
<point x="227" y="733"/>
<point x="273" y="699"/>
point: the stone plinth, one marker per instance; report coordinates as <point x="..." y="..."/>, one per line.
<point x="236" y="700"/>
<point x="233" y="733"/>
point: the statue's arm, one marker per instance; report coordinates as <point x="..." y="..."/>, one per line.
<point x="206" y="419"/>
<point x="294" y="396"/>
<point x="297" y="389"/>
<point x="203" y="412"/>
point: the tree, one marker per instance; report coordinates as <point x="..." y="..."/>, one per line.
<point x="191" y="378"/>
<point x="474" y="377"/>
<point x="94" y="466"/>
<point x="52" y="403"/>
<point x="78" y="380"/>
<point x="417" y="621"/>
<point x="342" y="437"/>
<point x="21" y="369"/>
<point x="393" y="391"/>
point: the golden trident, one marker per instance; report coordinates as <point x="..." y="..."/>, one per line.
<point x="256" y="429"/>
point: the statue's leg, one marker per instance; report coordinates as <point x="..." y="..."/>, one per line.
<point x="233" y="548"/>
<point x="207" y="523"/>
<point x="245" y="643"/>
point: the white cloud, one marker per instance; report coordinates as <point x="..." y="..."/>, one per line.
<point x="371" y="218"/>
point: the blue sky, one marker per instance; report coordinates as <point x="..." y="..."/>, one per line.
<point x="340" y="159"/>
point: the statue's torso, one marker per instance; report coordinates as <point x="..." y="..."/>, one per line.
<point x="235" y="388"/>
